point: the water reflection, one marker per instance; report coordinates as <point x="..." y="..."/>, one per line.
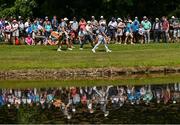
<point x="71" y="100"/>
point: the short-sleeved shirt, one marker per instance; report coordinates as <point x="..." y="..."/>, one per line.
<point x="74" y="25"/>
<point x="146" y="25"/>
<point x="48" y="28"/>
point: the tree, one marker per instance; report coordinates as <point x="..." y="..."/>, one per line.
<point x="20" y="7"/>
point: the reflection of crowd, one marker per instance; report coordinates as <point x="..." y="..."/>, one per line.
<point x="90" y="98"/>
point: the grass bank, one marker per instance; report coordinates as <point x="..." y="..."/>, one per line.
<point x="46" y="57"/>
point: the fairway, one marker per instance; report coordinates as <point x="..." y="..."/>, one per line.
<point x="46" y="57"/>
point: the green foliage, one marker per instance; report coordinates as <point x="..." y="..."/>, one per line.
<point x="20" y="7"/>
<point x="25" y="7"/>
<point x="83" y="8"/>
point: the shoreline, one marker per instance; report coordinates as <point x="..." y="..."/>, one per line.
<point x="61" y="74"/>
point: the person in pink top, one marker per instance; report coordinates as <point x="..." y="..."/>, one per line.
<point x="29" y="40"/>
<point x="82" y="24"/>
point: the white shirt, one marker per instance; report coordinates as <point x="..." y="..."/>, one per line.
<point x="112" y="25"/>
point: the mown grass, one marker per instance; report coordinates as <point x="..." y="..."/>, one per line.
<point x="46" y="57"/>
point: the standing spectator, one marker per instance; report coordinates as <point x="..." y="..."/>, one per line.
<point x="120" y="30"/>
<point x="63" y="23"/>
<point x="102" y="20"/>
<point x="135" y="29"/>
<point x="112" y="28"/>
<point x="81" y="36"/>
<point x="157" y="30"/>
<point x="48" y="30"/>
<point x="141" y="34"/>
<point x="74" y="27"/>
<point x="27" y="23"/>
<point x="147" y="27"/>
<point x="34" y="29"/>
<point x="45" y="22"/>
<point x="15" y="30"/>
<point x="128" y="32"/>
<point x="94" y="24"/>
<point x="175" y="26"/>
<point x="7" y="29"/>
<point x="165" y="30"/>
<point x="82" y="24"/>
<point x="54" y="23"/>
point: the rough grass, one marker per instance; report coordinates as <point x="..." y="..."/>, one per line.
<point x="46" y="57"/>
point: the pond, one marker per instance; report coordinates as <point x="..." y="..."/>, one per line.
<point x="150" y="103"/>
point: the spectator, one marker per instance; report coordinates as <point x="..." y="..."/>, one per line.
<point x="48" y="29"/>
<point x="112" y="28"/>
<point x="175" y="26"/>
<point x="147" y="27"/>
<point x="128" y="32"/>
<point x="74" y="27"/>
<point x="81" y="36"/>
<point x="141" y="34"/>
<point x="102" y="20"/>
<point x="120" y="30"/>
<point x="135" y="30"/>
<point x="165" y="30"/>
<point x="29" y="40"/>
<point x="15" y="30"/>
<point x="82" y="24"/>
<point x="54" y="23"/>
<point x="157" y="26"/>
<point x="94" y="24"/>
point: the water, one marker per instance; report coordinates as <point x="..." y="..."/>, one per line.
<point x="97" y="104"/>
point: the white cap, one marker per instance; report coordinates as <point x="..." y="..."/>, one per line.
<point x="130" y="21"/>
<point x="88" y="22"/>
<point x="71" y="22"/>
<point x="66" y="19"/>
<point x="101" y="17"/>
<point x="119" y="19"/>
<point x="157" y="18"/>
<point x="173" y="17"/>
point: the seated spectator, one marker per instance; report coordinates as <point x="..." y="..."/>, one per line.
<point x="29" y="40"/>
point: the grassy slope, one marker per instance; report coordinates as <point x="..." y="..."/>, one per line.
<point x="46" y="57"/>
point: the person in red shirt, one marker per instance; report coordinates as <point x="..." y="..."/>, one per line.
<point x="165" y="29"/>
<point x="82" y="24"/>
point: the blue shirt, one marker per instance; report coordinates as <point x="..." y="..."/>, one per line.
<point x="128" y="27"/>
<point x="34" y="27"/>
<point x="135" y="26"/>
<point x="48" y="28"/>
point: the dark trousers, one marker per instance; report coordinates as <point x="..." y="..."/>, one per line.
<point x="135" y="37"/>
<point x="157" y="34"/>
